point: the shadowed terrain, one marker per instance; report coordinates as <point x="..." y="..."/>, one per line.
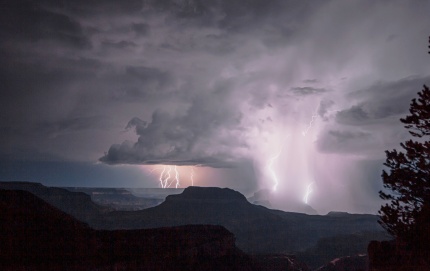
<point x="315" y="239"/>
<point x="37" y="236"/>
<point x="76" y="204"/>
<point x="257" y="229"/>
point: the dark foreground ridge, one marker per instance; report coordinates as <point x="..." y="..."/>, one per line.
<point x="315" y="239"/>
<point x="77" y="204"/>
<point x="38" y="236"/>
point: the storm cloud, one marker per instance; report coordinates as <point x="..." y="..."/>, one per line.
<point x="214" y="83"/>
<point x="204" y="134"/>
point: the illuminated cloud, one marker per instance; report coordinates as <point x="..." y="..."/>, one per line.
<point x="223" y="84"/>
<point x="207" y="134"/>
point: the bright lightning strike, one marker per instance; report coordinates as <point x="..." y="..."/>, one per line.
<point x="166" y="180"/>
<point x="272" y="171"/>
<point x="176" y="177"/>
<point x="165" y="177"/>
<point x="308" y="192"/>
<point x="305" y="132"/>
<point x="161" y="177"/>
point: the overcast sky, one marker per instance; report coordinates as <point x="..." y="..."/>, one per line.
<point x="298" y="96"/>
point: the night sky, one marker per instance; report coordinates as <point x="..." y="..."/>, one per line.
<point x="301" y="97"/>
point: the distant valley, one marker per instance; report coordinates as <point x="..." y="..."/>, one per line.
<point x="121" y="199"/>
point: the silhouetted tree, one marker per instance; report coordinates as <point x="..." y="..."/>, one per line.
<point x="408" y="179"/>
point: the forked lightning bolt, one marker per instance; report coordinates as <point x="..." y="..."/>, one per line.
<point x="165" y="177"/>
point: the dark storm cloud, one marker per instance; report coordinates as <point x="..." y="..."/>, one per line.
<point x="303" y="91"/>
<point x="355" y="114"/>
<point x="141" y="29"/>
<point x="81" y="59"/>
<point x="84" y="8"/>
<point x="213" y="44"/>
<point x="234" y="14"/>
<point x="31" y="20"/>
<point x="381" y="100"/>
<point x="61" y="28"/>
<point x="74" y="124"/>
<point x="31" y="90"/>
<point x="310" y="81"/>
<point x="58" y="140"/>
<point x="118" y="45"/>
<point x="324" y="107"/>
<point x="209" y="83"/>
<point x="148" y="74"/>
<point x="343" y="141"/>
<point x="183" y="9"/>
<point x="275" y="23"/>
<point x="270" y="13"/>
<point x="372" y="122"/>
<point x="139" y="83"/>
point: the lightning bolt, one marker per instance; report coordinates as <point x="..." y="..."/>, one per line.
<point x="176" y="177"/>
<point x="165" y="177"/>
<point x="308" y="192"/>
<point x="161" y="177"/>
<point x="272" y="171"/>
<point x="167" y="184"/>
<point x="305" y="132"/>
<point x="166" y="180"/>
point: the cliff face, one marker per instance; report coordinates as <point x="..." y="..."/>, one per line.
<point x="37" y="236"/>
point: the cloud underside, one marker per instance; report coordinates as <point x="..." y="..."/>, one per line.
<point x="117" y="156"/>
<point x="204" y="82"/>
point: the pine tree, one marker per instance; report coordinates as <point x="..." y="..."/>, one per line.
<point x="407" y="183"/>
